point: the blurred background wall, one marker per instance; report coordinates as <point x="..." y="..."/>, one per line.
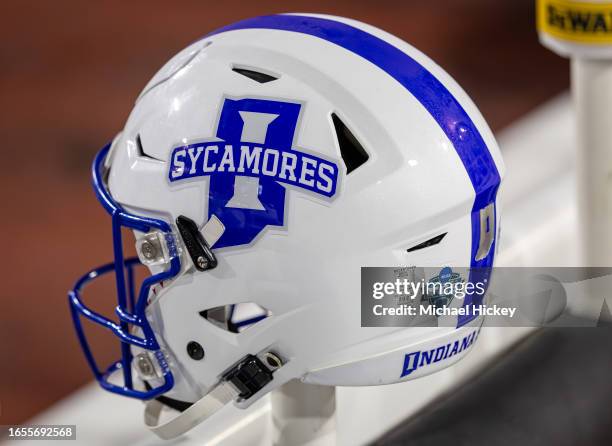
<point x="69" y="74"/>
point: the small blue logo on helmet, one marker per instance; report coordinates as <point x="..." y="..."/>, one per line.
<point x="445" y="274"/>
<point x="249" y="165"/>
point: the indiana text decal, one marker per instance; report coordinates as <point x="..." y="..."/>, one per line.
<point x="251" y="157"/>
<point x="415" y="360"/>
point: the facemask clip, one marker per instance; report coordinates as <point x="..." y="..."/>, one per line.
<point x="199" y="250"/>
<point x="156" y="248"/>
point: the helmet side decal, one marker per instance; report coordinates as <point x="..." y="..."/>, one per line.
<point x="249" y="163"/>
<point x="487" y="231"/>
<point x="423" y="358"/>
<point x="428" y="90"/>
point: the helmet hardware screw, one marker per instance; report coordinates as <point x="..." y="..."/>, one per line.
<point x="195" y="350"/>
<point x="202" y="262"/>
<point x="272" y="360"/>
<point x="145" y="366"/>
<point x="149" y="251"/>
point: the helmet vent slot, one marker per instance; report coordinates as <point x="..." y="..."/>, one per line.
<point x="257" y="76"/>
<point x="140" y="151"/>
<point x="426" y="244"/>
<point x="237" y="317"/>
<point x="353" y="153"/>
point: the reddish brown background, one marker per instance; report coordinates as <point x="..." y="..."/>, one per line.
<point x="69" y="74"/>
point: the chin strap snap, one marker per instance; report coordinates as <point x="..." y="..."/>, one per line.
<point x="242" y="381"/>
<point x="199" y="411"/>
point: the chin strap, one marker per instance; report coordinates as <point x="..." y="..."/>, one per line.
<point x="243" y="380"/>
<point x="199" y="411"/>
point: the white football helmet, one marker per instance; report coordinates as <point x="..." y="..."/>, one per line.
<point x="260" y="169"/>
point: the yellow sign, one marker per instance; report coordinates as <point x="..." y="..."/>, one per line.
<point x="579" y="22"/>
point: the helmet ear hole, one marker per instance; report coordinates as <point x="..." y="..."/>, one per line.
<point x="195" y="351"/>
<point x="236" y="318"/>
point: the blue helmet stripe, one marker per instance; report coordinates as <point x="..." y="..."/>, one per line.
<point x="424" y="86"/>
